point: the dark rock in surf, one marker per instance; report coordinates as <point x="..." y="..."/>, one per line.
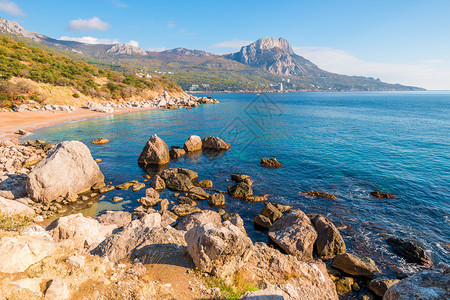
<point x="410" y="251"/>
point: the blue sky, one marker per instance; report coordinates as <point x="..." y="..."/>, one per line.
<point x="404" y="41"/>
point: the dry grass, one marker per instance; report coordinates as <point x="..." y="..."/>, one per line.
<point x="240" y="285"/>
<point x="13" y="222"/>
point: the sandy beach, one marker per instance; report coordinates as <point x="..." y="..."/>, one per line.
<point x="11" y="122"/>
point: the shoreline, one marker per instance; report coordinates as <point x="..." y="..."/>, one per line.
<point x="11" y="122"/>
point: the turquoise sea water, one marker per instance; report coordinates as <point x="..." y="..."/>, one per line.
<point x="344" y="143"/>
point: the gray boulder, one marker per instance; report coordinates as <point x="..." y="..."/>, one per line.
<point x="306" y="280"/>
<point x="69" y="167"/>
<point x="429" y="285"/>
<point x="136" y="235"/>
<point x="218" y="250"/>
<point x="195" y="219"/>
<point x="354" y="265"/>
<point x="295" y="234"/>
<point x="380" y="286"/>
<point x="155" y="152"/>
<point x="329" y="241"/>
<point x="118" y="218"/>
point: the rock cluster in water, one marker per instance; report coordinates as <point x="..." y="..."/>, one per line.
<point x="118" y="246"/>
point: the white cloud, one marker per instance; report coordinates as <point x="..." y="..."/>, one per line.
<point x="133" y="43"/>
<point x="233" y="44"/>
<point x="93" y="23"/>
<point x="183" y="31"/>
<point x="430" y="73"/>
<point x="11" y="8"/>
<point x="89" y="40"/>
<point x="171" y="25"/>
<point x="118" y="3"/>
<point x="156" y="49"/>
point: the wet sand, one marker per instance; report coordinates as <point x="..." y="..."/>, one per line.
<point x="11" y="122"/>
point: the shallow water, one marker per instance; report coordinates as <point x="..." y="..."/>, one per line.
<point x="344" y="143"/>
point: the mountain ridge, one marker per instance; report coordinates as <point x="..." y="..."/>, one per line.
<point x="267" y="64"/>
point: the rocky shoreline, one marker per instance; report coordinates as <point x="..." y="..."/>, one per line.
<point x="163" y="100"/>
<point x="307" y="259"/>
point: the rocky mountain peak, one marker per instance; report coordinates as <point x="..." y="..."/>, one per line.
<point x="268" y="43"/>
<point x="276" y="56"/>
<point x="15" y="29"/>
<point x="125" y="49"/>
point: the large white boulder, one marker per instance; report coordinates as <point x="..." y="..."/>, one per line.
<point x="68" y="168"/>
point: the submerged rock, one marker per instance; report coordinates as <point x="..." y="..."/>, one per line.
<point x="412" y="252"/>
<point x="100" y="141"/>
<point x="270" y="162"/>
<point x="295" y="234"/>
<point x="319" y="195"/>
<point x="354" y="265"/>
<point x="69" y="167"/>
<point x="378" y="194"/>
<point x="155" y="152"/>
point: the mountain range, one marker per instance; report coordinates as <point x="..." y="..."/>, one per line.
<point x="267" y="64"/>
